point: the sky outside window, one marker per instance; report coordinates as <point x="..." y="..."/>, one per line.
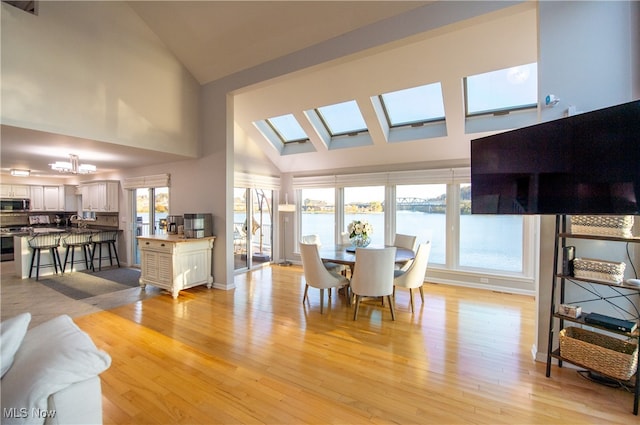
<point x="414" y="105"/>
<point x="505" y="89"/>
<point x="287" y="128"/>
<point x="342" y="118"/>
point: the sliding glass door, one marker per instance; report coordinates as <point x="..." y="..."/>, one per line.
<point x="252" y="227"/>
<point x="151" y="207"/>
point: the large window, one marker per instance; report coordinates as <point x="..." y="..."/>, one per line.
<point x="502" y="91"/>
<point x="433" y="205"/>
<point x="489" y="241"/>
<point x="342" y="118"/>
<point x="366" y="203"/>
<point x="421" y="210"/>
<point x="318" y="214"/>
<point x="413" y="106"/>
<point x="288" y="129"/>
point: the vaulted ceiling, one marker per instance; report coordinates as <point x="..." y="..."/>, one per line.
<point x="215" y="39"/>
<point x="212" y="39"/>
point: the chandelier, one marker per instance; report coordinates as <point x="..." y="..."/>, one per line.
<point x="73" y="166"/>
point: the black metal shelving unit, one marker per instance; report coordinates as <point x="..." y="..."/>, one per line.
<point x="621" y="290"/>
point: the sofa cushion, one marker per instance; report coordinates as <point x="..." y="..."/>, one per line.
<point x="12" y="333"/>
<point x="53" y="356"/>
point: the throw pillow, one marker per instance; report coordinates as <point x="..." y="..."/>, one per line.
<point x="12" y="333"/>
<point x="53" y="356"/>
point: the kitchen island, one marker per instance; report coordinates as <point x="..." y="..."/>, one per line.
<point x="23" y="252"/>
<point x="174" y="263"/>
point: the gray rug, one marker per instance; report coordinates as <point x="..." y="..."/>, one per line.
<point x="85" y="284"/>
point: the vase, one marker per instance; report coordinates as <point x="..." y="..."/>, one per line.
<point x="360" y="241"/>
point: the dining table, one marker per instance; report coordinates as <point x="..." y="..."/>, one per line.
<point x="345" y="254"/>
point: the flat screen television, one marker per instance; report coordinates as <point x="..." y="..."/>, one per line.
<point x="584" y="164"/>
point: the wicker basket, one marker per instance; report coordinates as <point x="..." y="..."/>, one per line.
<point x="602" y="353"/>
<point x="607" y="225"/>
<point x="607" y="271"/>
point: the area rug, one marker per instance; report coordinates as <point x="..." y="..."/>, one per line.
<point x="86" y="284"/>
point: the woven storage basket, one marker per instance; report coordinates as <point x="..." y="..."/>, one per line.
<point x="607" y="271"/>
<point x="601" y="353"/>
<point x="607" y="225"/>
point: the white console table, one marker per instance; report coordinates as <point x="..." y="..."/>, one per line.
<point x="174" y="263"/>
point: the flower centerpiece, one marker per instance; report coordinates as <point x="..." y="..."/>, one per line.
<point x="359" y="233"/>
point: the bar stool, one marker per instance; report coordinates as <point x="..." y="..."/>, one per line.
<point x="97" y="240"/>
<point x="72" y="241"/>
<point x="45" y="241"/>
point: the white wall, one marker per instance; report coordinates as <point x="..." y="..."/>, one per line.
<point x="586" y="51"/>
<point x="94" y="70"/>
<point x="445" y="55"/>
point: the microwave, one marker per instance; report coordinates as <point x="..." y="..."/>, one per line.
<point x="15" y="204"/>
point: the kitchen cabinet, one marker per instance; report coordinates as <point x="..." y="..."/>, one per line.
<point x="175" y="263"/>
<point x="69" y="193"/>
<point x="100" y="196"/>
<point x="48" y="198"/>
<point x="37" y="198"/>
<point x="15" y="191"/>
<point x="621" y="296"/>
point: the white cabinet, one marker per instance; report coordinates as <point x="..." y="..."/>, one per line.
<point x="174" y="263"/>
<point x="37" y="198"/>
<point x="100" y="196"/>
<point x="69" y="203"/>
<point x="15" y="191"/>
<point x="47" y="198"/>
<point x="52" y="199"/>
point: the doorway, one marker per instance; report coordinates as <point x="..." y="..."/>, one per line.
<point x="150" y="209"/>
<point x="252" y="232"/>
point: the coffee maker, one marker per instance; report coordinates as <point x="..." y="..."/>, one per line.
<point x="174" y="223"/>
<point x="198" y="225"/>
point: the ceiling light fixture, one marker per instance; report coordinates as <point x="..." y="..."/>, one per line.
<point x="73" y="166"/>
<point x="20" y="173"/>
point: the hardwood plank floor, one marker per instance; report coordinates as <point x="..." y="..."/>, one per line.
<point x="258" y="355"/>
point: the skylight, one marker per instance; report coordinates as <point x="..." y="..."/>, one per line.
<point x="342" y="118"/>
<point x="287" y="128"/>
<point x="502" y="91"/>
<point x="414" y="105"/>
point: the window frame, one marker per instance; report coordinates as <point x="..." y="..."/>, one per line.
<point x="496" y="111"/>
<point x="413" y="123"/>
<point x="325" y="123"/>
<point x="279" y="133"/>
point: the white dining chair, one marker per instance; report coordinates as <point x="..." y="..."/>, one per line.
<point x="407" y="242"/>
<point x="413" y="277"/>
<point x="317" y="276"/>
<point x="329" y="265"/>
<point x="373" y="275"/>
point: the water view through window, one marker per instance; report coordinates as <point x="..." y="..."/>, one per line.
<point x="486" y="242"/>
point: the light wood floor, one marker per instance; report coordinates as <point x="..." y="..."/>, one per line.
<point x="257" y="355"/>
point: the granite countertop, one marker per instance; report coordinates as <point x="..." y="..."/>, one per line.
<point x="52" y="230"/>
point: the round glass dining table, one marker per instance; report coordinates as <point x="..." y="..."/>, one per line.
<point x="345" y="254"/>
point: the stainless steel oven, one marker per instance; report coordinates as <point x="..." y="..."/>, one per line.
<point x="6" y="249"/>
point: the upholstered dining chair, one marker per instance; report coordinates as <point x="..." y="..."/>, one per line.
<point x="317" y="276"/>
<point x="404" y="241"/>
<point x="332" y="267"/>
<point x="373" y="275"/>
<point x="413" y="277"/>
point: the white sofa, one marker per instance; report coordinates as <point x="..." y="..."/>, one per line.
<point x="50" y="373"/>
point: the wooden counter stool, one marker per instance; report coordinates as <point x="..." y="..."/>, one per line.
<point x="45" y="241"/>
<point x="72" y="241"/>
<point x="107" y="237"/>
